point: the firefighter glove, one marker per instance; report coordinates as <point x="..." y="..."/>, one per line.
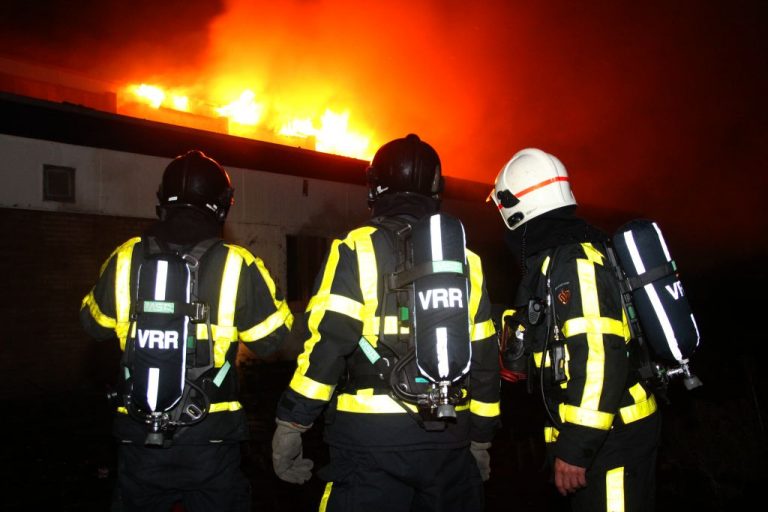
<point x="482" y="457"/>
<point x="286" y="453"/>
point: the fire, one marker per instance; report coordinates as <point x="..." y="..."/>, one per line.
<point x="150" y="94"/>
<point x="252" y="117"/>
<point x="243" y="110"/>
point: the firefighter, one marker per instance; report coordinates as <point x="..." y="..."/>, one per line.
<point x="381" y="457"/>
<point x="197" y="465"/>
<point x="603" y="428"/>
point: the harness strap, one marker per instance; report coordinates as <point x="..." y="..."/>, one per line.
<point x="405" y="277"/>
<point x="666" y="269"/>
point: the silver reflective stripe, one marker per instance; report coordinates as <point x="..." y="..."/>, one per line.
<point x="161" y="280"/>
<point x="661" y="314"/>
<point x="152" y="385"/>
<point x="636" y="260"/>
<point x="663" y="243"/>
<point x="436" y="237"/>
<point x="442" y="351"/>
<point x="695" y="326"/>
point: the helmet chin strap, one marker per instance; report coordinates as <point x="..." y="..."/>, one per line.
<point x="523" y="267"/>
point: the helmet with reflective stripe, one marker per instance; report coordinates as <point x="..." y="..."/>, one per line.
<point x="196" y="180"/>
<point x="530" y="184"/>
<point x="405" y="165"/>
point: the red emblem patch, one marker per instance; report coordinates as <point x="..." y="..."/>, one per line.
<point x="564" y="296"/>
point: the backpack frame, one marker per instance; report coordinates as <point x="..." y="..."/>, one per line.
<point x="431" y="352"/>
<point x="164" y="362"/>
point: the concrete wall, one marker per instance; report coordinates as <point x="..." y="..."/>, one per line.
<point x="267" y="207"/>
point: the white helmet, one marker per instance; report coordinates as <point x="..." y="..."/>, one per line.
<point x="532" y="183"/>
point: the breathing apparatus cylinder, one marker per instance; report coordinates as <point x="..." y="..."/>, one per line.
<point x="658" y="304"/>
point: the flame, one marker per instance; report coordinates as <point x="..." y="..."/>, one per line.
<point x="249" y="116"/>
<point x="152" y="95"/>
<point x="243" y="110"/>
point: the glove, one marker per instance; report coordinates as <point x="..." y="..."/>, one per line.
<point x="286" y="453"/>
<point x="482" y="457"/>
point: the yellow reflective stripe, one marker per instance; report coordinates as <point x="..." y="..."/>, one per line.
<point x="550" y="434"/>
<point x="614" y="490"/>
<point x="592" y="254"/>
<point x="489" y="410"/>
<point x="343" y="305"/>
<point x="225" y="332"/>
<point x="545" y="265"/>
<point x="365" y="402"/>
<point x="508" y="313"/>
<point x="225" y="407"/>
<point x="223" y="336"/>
<point x="475" y="284"/>
<point x="215" y="407"/>
<point x="280" y="317"/>
<point x="326" y="496"/>
<point x="123" y="289"/>
<point x="638" y="411"/>
<point x="368" y="270"/>
<point x="219" y="332"/>
<point x="482" y="330"/>
<point x="280" y="305"/>
<point x="595" y="367"/>
<point x="548" y="362"/>
<point x="638" y="393"/>
<point x="309" y="388"/>
<point x="602" y="325"/>
<point x="229" y="282"/>
<point x="101" y="319"/>
<point x="585" y="417"/>
<point x="354" y="310"/>
<point x="317" y="311"/>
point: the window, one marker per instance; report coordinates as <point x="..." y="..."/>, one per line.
<point x="58" y="183"/>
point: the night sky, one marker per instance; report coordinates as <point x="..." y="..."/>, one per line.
<point x="657" y="108"/>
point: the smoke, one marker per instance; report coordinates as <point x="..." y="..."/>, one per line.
<point x="656" y="108"/>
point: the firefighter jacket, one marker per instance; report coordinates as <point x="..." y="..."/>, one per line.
<point x="586" y="323"/>
<point x="245" y="305"/>
<point x="334" y="375"/>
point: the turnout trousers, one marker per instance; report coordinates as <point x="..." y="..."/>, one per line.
<point x="201" y="477"/>
<point x="423" y="480"/>
<point x="623" y="475"/>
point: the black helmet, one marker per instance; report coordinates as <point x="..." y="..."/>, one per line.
<point x="193" y="179"/>
<point x="405" y="165"/>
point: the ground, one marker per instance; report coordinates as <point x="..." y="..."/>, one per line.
<point x="58" y="453"/>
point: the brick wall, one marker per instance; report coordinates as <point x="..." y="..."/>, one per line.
<point x="49" y="262"/>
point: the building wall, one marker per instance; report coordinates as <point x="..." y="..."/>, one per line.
<point x="268" y="206"/>
<point x="52" y="251"/>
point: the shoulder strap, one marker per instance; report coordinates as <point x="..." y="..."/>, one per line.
<point x="641" y="354"/>
<point x="192" y="258"/>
